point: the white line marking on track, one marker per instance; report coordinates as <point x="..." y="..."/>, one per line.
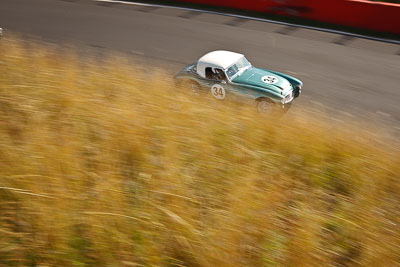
<point x="297" y="73"/>
<point x="257" y="19"/>
<point x="316" y="103"/>
<point x="345" y="113"/>
<point x="137" y="52"/>
<point x="383" y="113"/>
<point x="128" y="3"/>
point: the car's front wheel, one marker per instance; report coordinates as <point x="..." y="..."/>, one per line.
<point x="265" y="106"/>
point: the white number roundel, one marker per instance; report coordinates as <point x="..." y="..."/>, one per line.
<point x="218" y="91"/>
<point x="269" y="79"/>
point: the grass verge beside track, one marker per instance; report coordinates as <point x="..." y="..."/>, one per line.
<point x="104" y="163"/>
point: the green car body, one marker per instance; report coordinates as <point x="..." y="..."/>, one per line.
<point x="229" y="75"/>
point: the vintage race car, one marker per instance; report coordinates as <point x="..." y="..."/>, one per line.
<point x="229" y="75"/>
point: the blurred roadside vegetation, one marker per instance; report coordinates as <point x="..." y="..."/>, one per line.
<point x="103" y="164"/>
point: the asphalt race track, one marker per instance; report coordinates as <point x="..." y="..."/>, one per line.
<point x="352" y="77"/>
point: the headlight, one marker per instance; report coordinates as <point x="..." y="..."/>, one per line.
<point x="288" y="97"/>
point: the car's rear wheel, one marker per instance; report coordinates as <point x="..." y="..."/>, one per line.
<point x="187" y="84"/>
<point x="194" y="88"/>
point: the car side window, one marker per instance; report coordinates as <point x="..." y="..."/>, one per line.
<point x="220" y="75"/>
<point x="209" y="73"/>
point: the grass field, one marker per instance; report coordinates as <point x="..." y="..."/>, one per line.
<point x="104" y="164"/>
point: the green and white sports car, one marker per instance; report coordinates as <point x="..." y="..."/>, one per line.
<point x="229" y="75"/>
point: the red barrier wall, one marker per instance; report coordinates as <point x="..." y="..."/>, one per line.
<point x="376" y="16"/>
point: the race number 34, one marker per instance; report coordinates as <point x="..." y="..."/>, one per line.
<point x="218" y="91"/>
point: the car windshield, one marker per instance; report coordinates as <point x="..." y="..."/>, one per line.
<point x="237" y="68"/>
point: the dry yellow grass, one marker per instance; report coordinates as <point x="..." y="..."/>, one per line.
<point x="103" y="164"/>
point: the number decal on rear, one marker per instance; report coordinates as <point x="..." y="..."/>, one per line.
<point x="218" y="91"/>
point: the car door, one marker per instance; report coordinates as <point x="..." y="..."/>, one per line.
<point x="241" y="92"/>
<point x="216" y="82"/>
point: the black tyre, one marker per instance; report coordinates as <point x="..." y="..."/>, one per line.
<point x="265" y="106"/>
<point x="194" y="87"/>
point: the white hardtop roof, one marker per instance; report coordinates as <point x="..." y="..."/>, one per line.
<point x="220" y="58"/>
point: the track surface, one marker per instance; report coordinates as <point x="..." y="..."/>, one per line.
<point x="350" y="76"/>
